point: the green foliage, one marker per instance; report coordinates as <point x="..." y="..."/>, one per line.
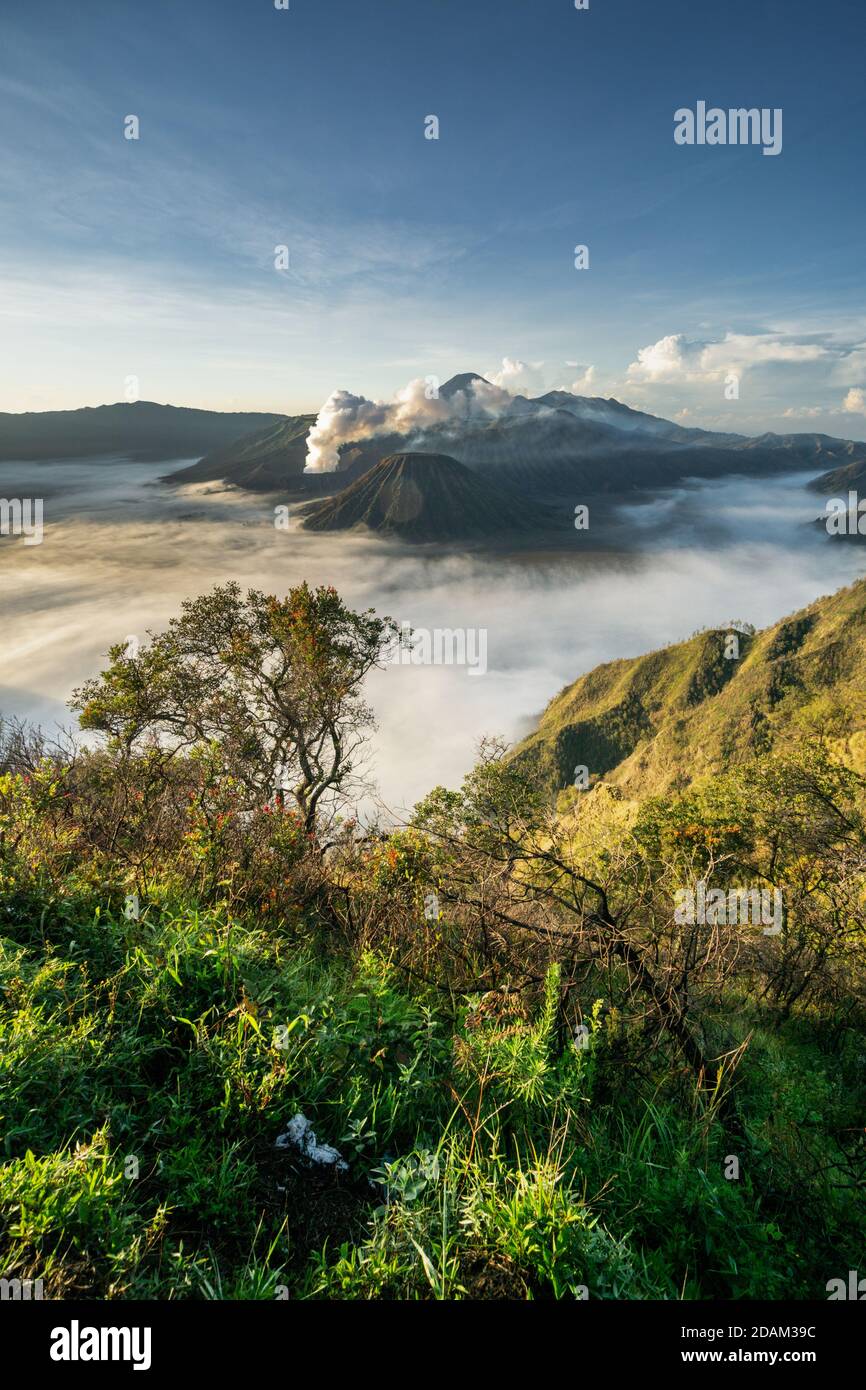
<point x="518" y="1083"/>
<point x="495" y="1171"/>
<point x="268" y="689"/>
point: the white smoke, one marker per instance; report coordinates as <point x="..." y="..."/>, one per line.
<point x="342" y="417"/>
<point x="515" y="375"/>
<point x="346" y="418"/>
<point x="584" y="384"/>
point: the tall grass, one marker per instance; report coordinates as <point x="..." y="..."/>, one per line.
<point x="147" y="1068"/>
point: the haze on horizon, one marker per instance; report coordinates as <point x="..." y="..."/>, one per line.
<point x="154" y="260"/>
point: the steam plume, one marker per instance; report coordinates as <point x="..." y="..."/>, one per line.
<point x="346" y="418"/>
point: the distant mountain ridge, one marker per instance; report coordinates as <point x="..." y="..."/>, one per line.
<point x="554" y="445"/>
<point x="553" y="450"/>
<point x="143" y="430"/>
<point x="559" y="443"/>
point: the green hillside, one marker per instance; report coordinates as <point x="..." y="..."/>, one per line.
<point x="655" y="724"/>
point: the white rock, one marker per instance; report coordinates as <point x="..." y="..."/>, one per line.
<point x="300" y="1135"/>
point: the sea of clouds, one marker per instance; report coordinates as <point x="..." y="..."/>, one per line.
<point x="121" y="550"/>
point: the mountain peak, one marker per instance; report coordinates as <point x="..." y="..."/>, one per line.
<point x="461" y="382"/>
<point x="425" y="497"/>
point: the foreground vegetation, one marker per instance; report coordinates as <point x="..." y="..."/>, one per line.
<point x="542" y="1083"/>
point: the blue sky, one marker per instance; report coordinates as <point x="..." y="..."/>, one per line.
<point x="409" y="257"/>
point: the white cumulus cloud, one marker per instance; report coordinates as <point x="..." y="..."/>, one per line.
<point x="523" y="378"/>
<point x="675" y="358"/>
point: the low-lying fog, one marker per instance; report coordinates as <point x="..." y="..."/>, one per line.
<point x="121" y="550"/>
